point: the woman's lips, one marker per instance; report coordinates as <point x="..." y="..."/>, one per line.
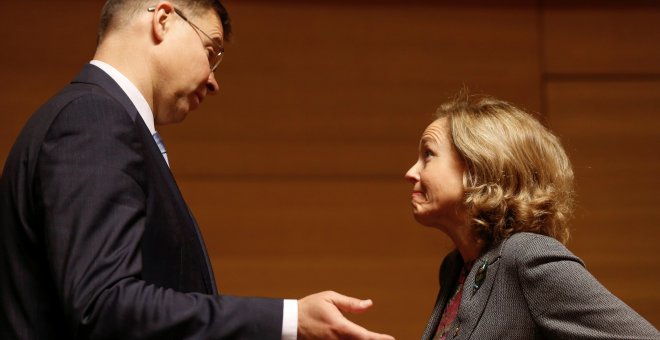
<point x="417" y="194"/>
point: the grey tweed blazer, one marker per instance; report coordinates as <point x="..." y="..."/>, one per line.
<point x="534" y="288"/>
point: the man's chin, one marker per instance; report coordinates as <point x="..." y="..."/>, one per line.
<point x="172" y="118"/>
<point x="179" y="118"/>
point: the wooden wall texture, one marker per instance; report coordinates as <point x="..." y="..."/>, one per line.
<point x="295" y="170"/>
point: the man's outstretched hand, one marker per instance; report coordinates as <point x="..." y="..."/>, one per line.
<point x="320" y="317"/>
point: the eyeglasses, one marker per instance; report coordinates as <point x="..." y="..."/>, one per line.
<point x="215" y="56"/>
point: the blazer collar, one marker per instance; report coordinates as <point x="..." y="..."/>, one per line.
<point x="91" y="74"/>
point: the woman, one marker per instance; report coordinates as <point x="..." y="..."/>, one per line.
<point x="501" y="187"/>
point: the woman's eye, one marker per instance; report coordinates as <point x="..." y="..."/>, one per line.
<point x="427" y="153"/>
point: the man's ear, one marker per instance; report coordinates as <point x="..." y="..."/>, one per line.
<point x="162" y="19"/>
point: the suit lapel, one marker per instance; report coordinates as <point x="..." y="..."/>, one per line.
<point x="91" y="74"/>
<point x="207" y="270"/>
<point x="475" y="295"/>
<point x="449" y="273"/>
<point x="175" y="193"/>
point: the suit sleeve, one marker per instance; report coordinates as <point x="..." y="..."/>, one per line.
<point x="93" y="203"/>
<point x="567" y="302"/>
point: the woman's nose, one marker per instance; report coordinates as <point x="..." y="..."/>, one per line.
<point x="412" y="175"/>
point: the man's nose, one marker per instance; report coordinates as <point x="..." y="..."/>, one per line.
<point x="212" y="84"/>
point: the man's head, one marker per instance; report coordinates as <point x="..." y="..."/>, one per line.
<point x="167" y="49"/>
<point x="118" y="12"/>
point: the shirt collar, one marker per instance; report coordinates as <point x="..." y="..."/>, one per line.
<point x="131" y="91"/>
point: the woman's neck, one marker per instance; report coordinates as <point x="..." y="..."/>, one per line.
<point x="467" y="243"/>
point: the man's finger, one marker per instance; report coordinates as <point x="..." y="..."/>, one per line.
<point x="350" y="304"/>
<point x="355" y="331"/>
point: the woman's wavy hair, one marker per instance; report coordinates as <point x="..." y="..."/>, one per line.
<point x="517" y="176"/>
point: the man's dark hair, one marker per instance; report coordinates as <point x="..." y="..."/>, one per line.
<point x="114" y="11"/>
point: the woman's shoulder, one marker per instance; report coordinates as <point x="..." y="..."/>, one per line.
<point x="531" y="241"/>
<point x="528" y="247"/>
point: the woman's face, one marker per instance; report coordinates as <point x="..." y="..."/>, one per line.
<point x="437" y="179"/>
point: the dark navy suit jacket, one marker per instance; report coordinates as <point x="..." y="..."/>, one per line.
<point x="96" y="240"/>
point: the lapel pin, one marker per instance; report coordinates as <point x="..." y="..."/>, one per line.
<point x="480" y="276"/>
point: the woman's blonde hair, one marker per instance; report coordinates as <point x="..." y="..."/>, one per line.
<point x="518" y="177"/>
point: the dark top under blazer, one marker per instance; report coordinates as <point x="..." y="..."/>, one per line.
<point x="534" y="288"/>
<point x="96" y="240"/>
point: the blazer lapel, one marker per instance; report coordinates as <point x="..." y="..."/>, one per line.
<point x="449" y="273"/>
<point x="477" y="289"/>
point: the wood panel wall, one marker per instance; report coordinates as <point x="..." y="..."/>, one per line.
<point x="295" y="170"/>
<point x="601" y="89"/>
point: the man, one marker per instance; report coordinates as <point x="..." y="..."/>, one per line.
<point x="96" y="240"/>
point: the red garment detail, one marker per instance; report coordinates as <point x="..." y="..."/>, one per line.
<point x="451" y="309"/>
